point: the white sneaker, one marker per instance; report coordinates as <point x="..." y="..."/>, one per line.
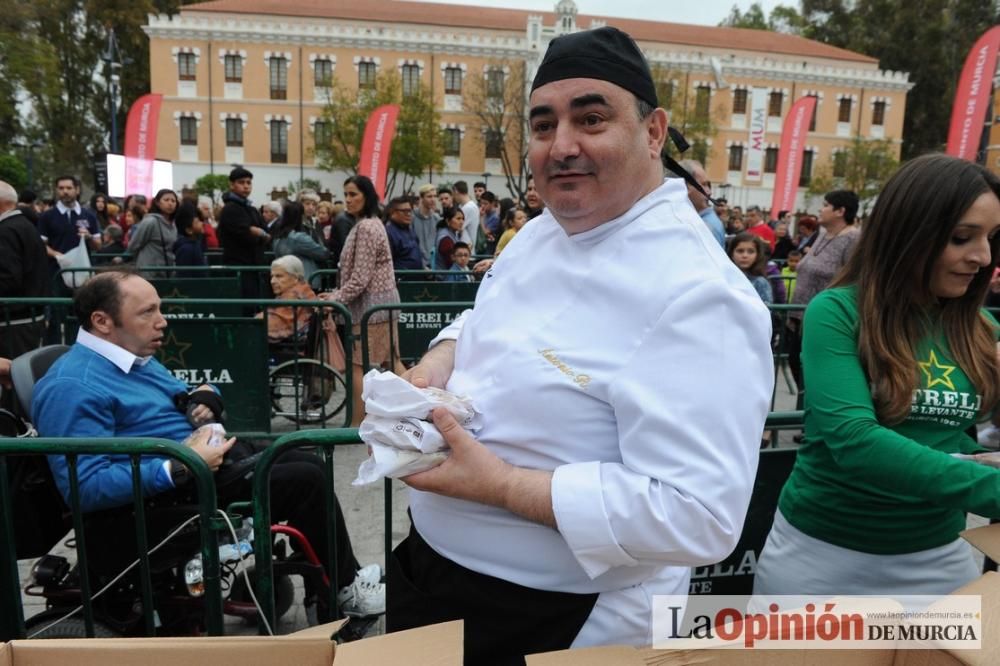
<point x="362" y="598"/>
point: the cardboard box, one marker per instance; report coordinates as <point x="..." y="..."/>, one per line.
<point x="436" y="645"/>
<point x="985" y="539"/>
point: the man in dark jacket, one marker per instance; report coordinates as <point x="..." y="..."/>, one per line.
<point x="23" y="274"/>
<point x="241" y="232"/>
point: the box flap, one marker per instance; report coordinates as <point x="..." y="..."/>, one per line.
<point x="626" y="656"/>
<point x="985" y="539"/>
<point x="322" y="631"/>
<point x="217" y="651"/>
<point x="5" y="654"/>
<point x="435" y="645"/>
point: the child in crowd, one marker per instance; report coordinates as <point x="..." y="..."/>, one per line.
<point x="188" y="249"/>
<point x="747" y="251"/>
<point x="788" y="273"/>
<point x="513" y="220"/>
<point x="461" y="253"/>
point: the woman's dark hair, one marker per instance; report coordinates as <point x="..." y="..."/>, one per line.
<point x="367" y="188"/>
<point x="291" y="219"/>
<point x="184" y="218"/>
<point x="845" y="199"/>
<point x="155" y="206"/>
<point x="892" y="265"/>
<point x="505" y="205"/>
<point x="759" y="266"/>
<point x="93" y="201"/>
<point x="448" y="214"/>
<point x="507" y="219"/>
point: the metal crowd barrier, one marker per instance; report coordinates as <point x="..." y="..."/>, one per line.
<point x="12" y="624"/>
<point x="201" y="347"/>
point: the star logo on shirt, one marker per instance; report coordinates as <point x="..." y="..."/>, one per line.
<point x="173" y="351"/>
<point x="936" y="372"/>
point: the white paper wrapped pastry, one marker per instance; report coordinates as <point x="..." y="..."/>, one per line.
<point x="387" y="461"/>
<point x="387" y="394"/>
<point x="405" y="433"/>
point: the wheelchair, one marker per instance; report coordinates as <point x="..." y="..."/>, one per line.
<point x="304" y="388"/>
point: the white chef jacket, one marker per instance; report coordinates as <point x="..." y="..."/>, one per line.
<point x="634" y="361"/>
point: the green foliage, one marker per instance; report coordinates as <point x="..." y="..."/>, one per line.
<point x="417" y="146"/>
<point x="865" y="165"/>
<point x="698" y="125"/>
<point x="212" y="185"/>
<point x="13" y="172"/>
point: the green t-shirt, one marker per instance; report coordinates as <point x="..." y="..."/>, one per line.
<point x="874" y="488"/>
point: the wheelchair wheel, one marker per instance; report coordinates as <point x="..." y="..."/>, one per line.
<point x="307" y="391"/>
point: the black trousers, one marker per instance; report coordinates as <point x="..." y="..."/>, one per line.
<point x="14" y="341"/>
<point x="297" y="480"/>
<point x="503" y="621"/>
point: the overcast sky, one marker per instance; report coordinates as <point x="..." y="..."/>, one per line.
<point x="703" y="12"/>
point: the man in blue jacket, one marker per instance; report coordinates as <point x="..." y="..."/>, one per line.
<point x="109" y="385"/>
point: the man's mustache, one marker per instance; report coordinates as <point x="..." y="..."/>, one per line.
<point x="562" y="167"/>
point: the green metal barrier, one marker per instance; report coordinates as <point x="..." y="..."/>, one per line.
<point x="325" y="441"/>
<point x="11" y="611"/>
<point x="433" y="291"/>
<point x="418" y="324"/>
<point x="186" y="355"/>
<point x="191" y="288"/>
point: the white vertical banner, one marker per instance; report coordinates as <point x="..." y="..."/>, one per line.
<point x="758" y="126"/>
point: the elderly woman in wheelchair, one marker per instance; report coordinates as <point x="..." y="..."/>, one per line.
<point x="306" y="354"/>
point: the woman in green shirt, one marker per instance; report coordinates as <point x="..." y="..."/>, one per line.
<point x="900" y="360"/>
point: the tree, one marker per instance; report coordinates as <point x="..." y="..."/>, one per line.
<point x="782" y="19"/>
<point x="864" y="167"/>
<point x="691" y="112"/>
<point x="417" y="147"/>
<point x="498" y="101"/>
<point x="211" y="184"/>
<point x="13" y="172"/>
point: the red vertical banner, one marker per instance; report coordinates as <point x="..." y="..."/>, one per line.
<point x="377" y="144"/>
<point x="140" y="144"/>
<point x="793" y="144"/>
<point x="972" y="97"/>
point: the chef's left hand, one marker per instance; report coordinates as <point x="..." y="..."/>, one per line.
<point x="472" y="472"/>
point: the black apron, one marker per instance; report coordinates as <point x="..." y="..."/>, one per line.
<point x="503" y="621"/>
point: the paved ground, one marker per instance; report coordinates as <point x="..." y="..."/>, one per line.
<point x="363" y="509"/>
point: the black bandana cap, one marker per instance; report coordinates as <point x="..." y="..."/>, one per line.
<point x="606" y="53"/>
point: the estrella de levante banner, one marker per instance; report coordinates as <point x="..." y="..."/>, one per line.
<point x="140" y="144"/>
<point x="972" y="97"/>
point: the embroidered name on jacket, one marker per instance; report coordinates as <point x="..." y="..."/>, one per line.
<point x="581" y="380"/>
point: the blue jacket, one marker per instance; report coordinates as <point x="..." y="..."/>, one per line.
<point x="405" y="247"/>
<point x="189" y="252"/>
<point x="86" y="395"/>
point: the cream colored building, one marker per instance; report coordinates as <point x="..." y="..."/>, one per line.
<point x="239" y="80"/>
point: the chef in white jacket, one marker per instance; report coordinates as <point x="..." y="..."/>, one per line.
<point x="622" y="365"/>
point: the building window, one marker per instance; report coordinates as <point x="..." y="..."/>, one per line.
<point x="807" y="168"/>
<point x="452" y="142"/>
<point x="366" y="76"/>
<point x="189" y="131"/>
<point x="812" y="121"/>
<point x="322" y="133"/>
<point x="279" y="78"/>
<point x="322" y="72"/>
<point x="703" y="96"/>
<point x="739" y="101"/>
<point x="774" y="102"/>
<point x="699" y="150"/>
<point x="186" y="65"/>
<point x="453" y="81"/>
<point x="771" y="160"/>
<point x="878" y="113"/>
<point x="844" y="111"/>
<point x="839" y="165"/>
<point x="279" y="141"/>
<point x="494" y="83"/>
<point x="411" y="79"/>
<point x="234" y="132"/>
<point x="234" y="69"/>
<point x="736" y="158"/>
<point x="494" y="144"/>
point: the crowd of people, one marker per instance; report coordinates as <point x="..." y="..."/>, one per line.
<point x="604" y="469"/>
